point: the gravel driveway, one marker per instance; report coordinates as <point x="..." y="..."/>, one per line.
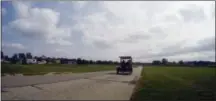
<point x="87" y="86"/>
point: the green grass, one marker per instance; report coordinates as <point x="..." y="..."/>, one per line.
<point x="40" y="69"/>
<point x="176" y="83"/>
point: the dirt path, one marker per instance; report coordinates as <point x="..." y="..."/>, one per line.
<point x="96" y="86"/>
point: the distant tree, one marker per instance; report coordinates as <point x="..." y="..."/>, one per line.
<point x="6" y="58"/>
<point x="156" y="62"/>
<point x="98" y="62"/>
<point x="39" y="58"/>
<point x="90" y="62"/>
<point x="53" y="60"/>
<point x="2" y="55"/>
<point x="110" y="62"/>
<point x="22" y="55"/>
<point x="79" y="61"/>
<point x="14" y="59"/>
<point x="174" y="62"/>
<point x="164" y="61"/>
<point x="48" y="59"/>
<point x="29" y="55"/>
<point x="83" y="61"/>
<point x="116" y="62"/>
<point x="86" y="61"/>
<point x="180" y="62"/>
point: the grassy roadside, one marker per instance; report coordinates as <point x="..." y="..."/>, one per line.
<point x="167" y="83"/>
<point x="39" y="69"/>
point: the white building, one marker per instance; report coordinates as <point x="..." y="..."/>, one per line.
<point x="31" y="61"/>
<point x="42" y="62"/>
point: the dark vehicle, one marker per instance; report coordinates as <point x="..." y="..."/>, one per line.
<point x="125" y="65"/>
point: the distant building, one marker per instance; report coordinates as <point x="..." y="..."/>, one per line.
<point x="42" y="62"/>
<point x="71" y="62"/>
<point x="31" y="61"/>
<point x="4" y="61"/>
<point x="57" y="61"/>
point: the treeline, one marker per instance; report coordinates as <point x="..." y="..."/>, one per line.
<point x="165" y="61"/>
<point x="22" y="58"/>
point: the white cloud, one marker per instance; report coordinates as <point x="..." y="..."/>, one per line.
<point x="79" y="4"/>
<point x="39" y="22"/>
<point x="13" y="46"/>
<point x="107" y="29"/>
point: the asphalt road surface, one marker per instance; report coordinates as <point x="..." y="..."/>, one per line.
<point x="86" y="86"/>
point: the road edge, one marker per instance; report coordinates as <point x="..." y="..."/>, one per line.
<point x="137" y="86"/>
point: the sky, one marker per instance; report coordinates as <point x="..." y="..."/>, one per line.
<point x="145" y="30"/>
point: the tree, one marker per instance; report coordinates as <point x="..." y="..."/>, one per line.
<point x="29" y="55"/>
<point x="2" y="55"/>
<point x="79" y="61"/>
<point x="156" y="62"/>
<point x="53" y="60"/>
<point x="164" y="61"/>
<point x="174" y="62"/>
<point x="22" y="57"/>
<point x="39" y="58"/>
<point x="14" y="58"/>
<point x="98" y="62"/>
<point x="6" y="58"/>
<point x="180" y="62"/>
<point x="90" y="61"/>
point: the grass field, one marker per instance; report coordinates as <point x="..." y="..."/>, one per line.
<point x="37" y="69"/>
<point x="176" y="83"/>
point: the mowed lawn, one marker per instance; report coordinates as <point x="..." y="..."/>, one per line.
<point x="36" y="69"/>
<point x="176" y="83"/>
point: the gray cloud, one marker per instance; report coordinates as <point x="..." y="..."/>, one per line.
<point x="101" y="44"/>
<point x="171" y="18"/>
<point x="205" y="45"/>
<point x="156" y="29"/>
<point x="11" y="48"/>
<point x="135" y="37"/>
<point x="13" y="45"/>
<point x="192" y="13"/>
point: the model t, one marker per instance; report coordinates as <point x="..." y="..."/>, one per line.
<point x="125" y="65"/>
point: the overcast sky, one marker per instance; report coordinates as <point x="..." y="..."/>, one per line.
<point x="145" y="30"/>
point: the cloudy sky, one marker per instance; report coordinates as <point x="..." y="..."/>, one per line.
<point x="145" y="30"/>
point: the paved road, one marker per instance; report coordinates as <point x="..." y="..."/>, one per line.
<point x="87" y="86"/>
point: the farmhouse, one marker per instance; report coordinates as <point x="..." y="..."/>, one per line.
<point x="31" y="61"/>
<point x="42" y="62"/>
